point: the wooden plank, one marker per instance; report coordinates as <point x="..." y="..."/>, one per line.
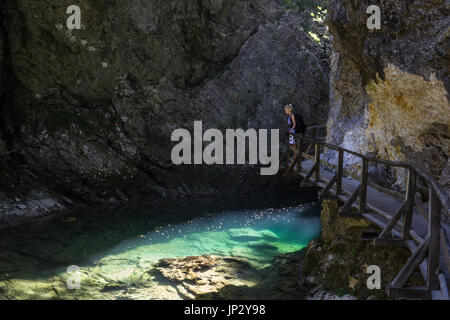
<point x="348" y="214"/>
<point x="423" y="265"/>
<point x="393" y="221"/>
<point x="328" y="186"/>
<point x="328" y="196"/>
<point x="317" y="161"/>
<point x="384" y="205"/>
<point x="419" y="205"/>
<point x="411" y="292"/>
<point x="309" y="157"/>
<point x="390" y="242"/>
<point x="380" y="221"/>
<point x="434" y="231"/>
<point x="390" y="192"/>
<point x="316" y="127"/>
<point x="415" y="237"/>
<point x="436" y="295"/>
<point x="340" y="171"/>
<point x="397" y="164"/>
<point x="300" y="152"/>
<point x="444" y="288"/>
<point x="292" y="166"/>
<point x="376" y="200"/>
<point x="410" y="191"/>
<point x="347" y="206"/>
<point x="363" y="192"/>
<point x="411" y="265"/>
<point x="283" y="157"/>
<point x="310" y="173"/>
<point x="308" y="149"/>
<point x="441" y="192"/>
<point x="445" y="255"/>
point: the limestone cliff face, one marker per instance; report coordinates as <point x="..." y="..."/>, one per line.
<point x="390" y="87"/>
<point x="90" y="112"/>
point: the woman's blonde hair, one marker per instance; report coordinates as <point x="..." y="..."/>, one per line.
<point x="289" y="108"/>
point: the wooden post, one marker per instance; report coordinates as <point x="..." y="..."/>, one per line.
<point x="328" y="187"/>
<point x="317" y="161"/>
<point x="340" y="170"/>
<point x="400" y="212"/>
<point x="286" y="150"/>
<point x="300" y="152"/>
<point x="434" y="231"/>
<point x="348" y="205"/>
<point x="364" y="178"/>
<point x="411" y="265"/>
<point x="410" y="191"/>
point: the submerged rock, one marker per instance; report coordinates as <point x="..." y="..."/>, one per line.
<point x="216" y="277"/>
<point x="230" y="278"/>
<point x="244" y="234"/>
<point x="201" y="277"/>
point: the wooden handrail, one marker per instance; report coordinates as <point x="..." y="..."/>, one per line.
<point x="399" y="164"/>
<point x="316" y="127"/>
<point x="438" y="200"/>
<point x="441" y="193"/>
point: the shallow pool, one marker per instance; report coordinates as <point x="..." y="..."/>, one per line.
<point x="109" y="255"/>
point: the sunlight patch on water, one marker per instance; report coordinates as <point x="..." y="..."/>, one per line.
<point x="257" y="235"/>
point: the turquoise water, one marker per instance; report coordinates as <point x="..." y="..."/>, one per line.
<point x="255" y="234"/>
<point x="119" y="249"/>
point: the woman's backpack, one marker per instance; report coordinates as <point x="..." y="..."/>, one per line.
<point x="299" y="123"/>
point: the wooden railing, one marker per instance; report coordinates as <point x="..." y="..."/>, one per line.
<point x="425" y="251"/>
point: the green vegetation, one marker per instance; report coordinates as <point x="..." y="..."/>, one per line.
<point x="340" y="292"/>
<point x="315" y="12"/>
<point x="354" y="252"/>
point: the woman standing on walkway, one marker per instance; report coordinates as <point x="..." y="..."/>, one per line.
<point x="292" y="124"/>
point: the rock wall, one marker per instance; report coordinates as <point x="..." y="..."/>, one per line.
<point x="2" y="58"/>
<point x="89" y="113"/>
<point x="390" y="87"/>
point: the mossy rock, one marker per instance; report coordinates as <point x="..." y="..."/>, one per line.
<point x="338" y="261"/>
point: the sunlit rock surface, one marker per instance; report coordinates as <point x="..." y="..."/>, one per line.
<point x="210" y="277"/>
<point x="390" y="88"/>
<point x="200" y="277"/>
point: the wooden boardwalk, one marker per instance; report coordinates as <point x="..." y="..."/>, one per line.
<point x="403" y="219"/>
